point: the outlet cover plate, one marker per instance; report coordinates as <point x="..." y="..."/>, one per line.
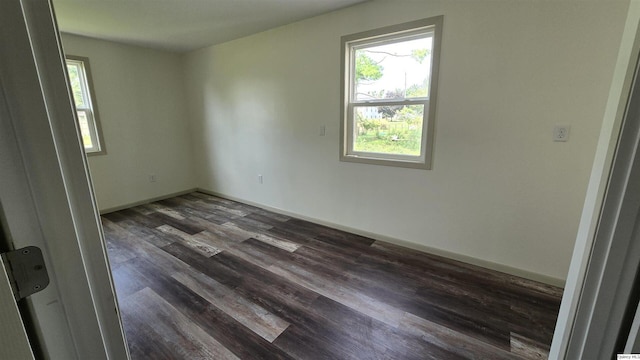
<point x="561" y="133"/>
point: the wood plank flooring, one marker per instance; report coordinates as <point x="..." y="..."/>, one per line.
<point x="200" y="277"/>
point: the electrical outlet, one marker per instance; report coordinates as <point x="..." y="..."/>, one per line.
<point x="561" y="133"/>
<point x="153" y="177"/>
<point x="259" y="179"/>
<point x="323" y="130"/>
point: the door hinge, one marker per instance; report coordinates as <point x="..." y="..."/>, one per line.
<point x="26" y="270"/>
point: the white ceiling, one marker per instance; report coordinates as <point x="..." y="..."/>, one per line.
<point x="183" y="25"/>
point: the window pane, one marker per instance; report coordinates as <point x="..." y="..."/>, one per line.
<point x="84" y="129"/>
<point x="393" y="71"/>
<point x="393" y="129"/>
<point x="76" y="87"/>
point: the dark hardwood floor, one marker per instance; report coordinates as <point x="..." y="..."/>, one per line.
<point x="200" y="277"/>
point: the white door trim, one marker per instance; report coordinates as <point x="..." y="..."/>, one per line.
<point x="54" y="164"/>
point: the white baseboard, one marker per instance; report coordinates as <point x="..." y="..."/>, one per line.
<point x="427" y="249"/>
<point x="146" y="201"/>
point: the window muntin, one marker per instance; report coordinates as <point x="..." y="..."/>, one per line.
<point x="81" y="88"/>
<point x="390" y="78"/>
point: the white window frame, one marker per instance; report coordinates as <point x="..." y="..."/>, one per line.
<point x="90" y="110"/>
<point x="390" y="34"/>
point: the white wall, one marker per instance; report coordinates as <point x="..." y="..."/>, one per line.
<point x="577" y="292"/>
<point x="500" y="190"/>
<point x="141" y="102"/>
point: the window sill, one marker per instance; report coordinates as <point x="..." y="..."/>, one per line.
<point x="386" y="162"/>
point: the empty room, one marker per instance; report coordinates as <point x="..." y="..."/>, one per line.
<point x="299" y="179"/>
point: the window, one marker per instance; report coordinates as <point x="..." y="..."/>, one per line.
<point x="389" y="79"/>
<point x="86" y="108"/>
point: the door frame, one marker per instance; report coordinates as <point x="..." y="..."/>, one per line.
<point x="66" y="216"/>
